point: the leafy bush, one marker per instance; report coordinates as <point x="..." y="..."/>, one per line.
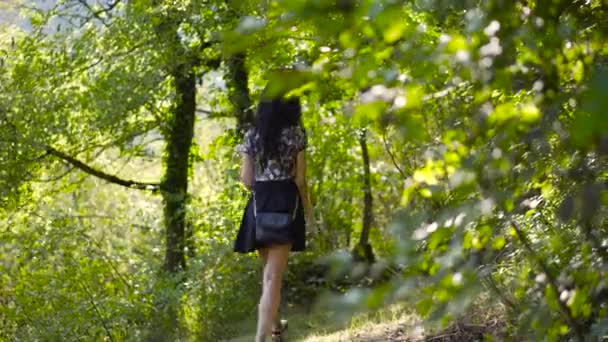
<point x="486" y="131"/>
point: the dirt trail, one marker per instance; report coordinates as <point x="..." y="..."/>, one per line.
<point x="372" y="331"/>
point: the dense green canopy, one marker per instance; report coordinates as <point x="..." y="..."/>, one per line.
<point x="457" y="148"/>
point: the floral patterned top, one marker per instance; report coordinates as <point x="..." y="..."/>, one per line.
<point x="293" y="140"/>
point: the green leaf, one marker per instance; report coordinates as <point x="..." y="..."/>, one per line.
<point x="424" y="306"/>
<point x="529" y="113"/>
<point x="499" y="243"/>
<point x="282" y="82"/>
<point x="457" y="43"/>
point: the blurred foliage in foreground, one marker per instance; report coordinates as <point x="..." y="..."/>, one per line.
<point x="486" y="125"/>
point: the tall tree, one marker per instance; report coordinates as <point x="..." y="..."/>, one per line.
<point x="363" y="249"/>
<point x="163" y="50"/>
<point x="238" y="89"/>
<point x="178" y="133"/>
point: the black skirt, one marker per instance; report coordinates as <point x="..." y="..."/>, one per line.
<point x="276" y="196"/>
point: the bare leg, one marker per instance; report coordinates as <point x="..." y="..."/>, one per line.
<point x="263" y="255"/>
<point x="274" y="268"/>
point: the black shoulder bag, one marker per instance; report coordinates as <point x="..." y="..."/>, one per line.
<point x="274" y="227"/>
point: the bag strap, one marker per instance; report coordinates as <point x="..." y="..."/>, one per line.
<point x="295" y="208"/>
<point x="255" y="206"/>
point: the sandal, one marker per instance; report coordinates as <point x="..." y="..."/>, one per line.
<point x="280" y="334"/>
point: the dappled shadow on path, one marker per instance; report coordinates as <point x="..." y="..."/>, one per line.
<point x="306" y="326"/>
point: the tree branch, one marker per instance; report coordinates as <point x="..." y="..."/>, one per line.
<point x="387" y="148"/>
<point x="97" y="13"/>
<point x="212" y="115"/>
<point x="110" y="58"/>
<point x="565" y="311"/>
<point x="55" y="178"/>
<point x="100" y="174"/>
<point x="103" y="320"/>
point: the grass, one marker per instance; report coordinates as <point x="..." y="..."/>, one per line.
<point x="395" y="322"/>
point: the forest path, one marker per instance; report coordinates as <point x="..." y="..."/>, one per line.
<point x="392" y="324"/>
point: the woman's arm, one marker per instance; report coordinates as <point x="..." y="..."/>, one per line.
<point x="247" y="171"/>
<point x="300" y="180"/>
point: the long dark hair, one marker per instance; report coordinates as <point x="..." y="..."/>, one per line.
<point x="272" y="117"/>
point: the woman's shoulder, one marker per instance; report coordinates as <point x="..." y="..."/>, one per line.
<point x="295" y="136"/>
<point x="249" y="131"/>
<point x="295" y="130"/>
<point x="250" y="134"/>
<point x="248" y="142"/>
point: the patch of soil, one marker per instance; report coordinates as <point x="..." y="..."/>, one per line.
<point x="461" y="332"/>
<point x="392" y="334"/>
<point x="456" y="332"/>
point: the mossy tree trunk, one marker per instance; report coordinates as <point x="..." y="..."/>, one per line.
<point x="363" y="250"/>
<point x="180" y="132"/>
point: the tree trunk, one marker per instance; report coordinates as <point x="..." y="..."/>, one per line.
<point x="177" y="164"/>
<point x="363" y="250"/>
<point x="237" y="80"/>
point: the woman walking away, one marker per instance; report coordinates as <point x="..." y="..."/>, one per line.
<point x="274" y="168"/>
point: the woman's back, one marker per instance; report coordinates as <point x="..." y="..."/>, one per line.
<point x="280" y="165"/>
